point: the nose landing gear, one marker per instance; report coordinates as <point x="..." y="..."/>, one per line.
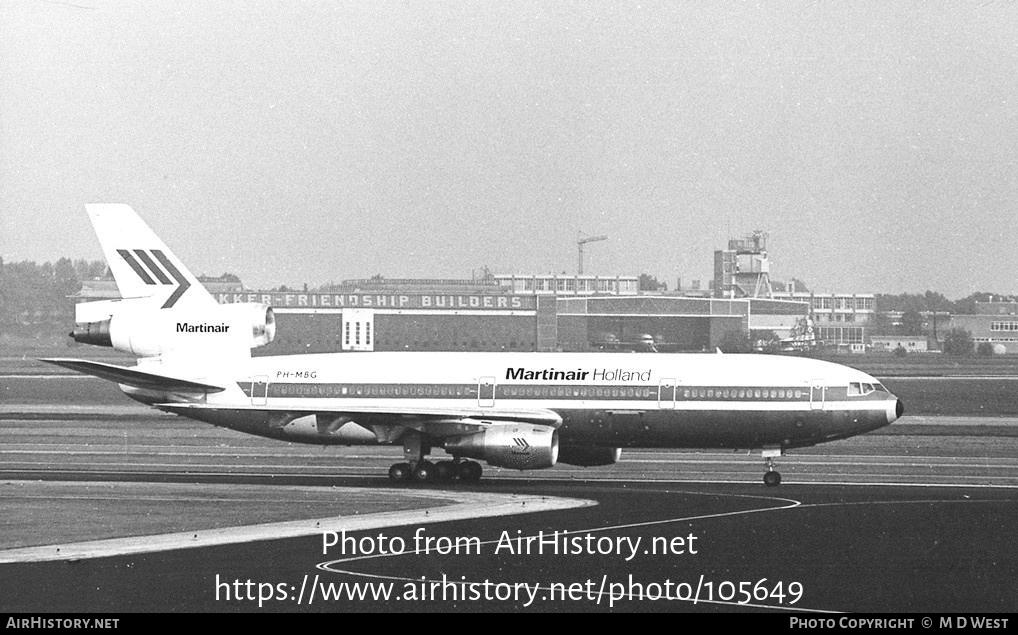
<point x="772" y="478"/>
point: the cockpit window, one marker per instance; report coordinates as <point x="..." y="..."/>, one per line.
<point x="856" y="389"/>
<point x="880" y="387"/>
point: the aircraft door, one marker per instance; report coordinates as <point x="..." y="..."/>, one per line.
<point x="486" y="392"/>
<point x="816" y="395"/>
<point x="666" y="394"/>
<point x="259" y="390"/>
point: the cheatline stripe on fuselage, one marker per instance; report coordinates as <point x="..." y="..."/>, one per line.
<point x="733" y="396"/>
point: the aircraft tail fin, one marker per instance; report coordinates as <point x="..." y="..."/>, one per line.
<point x="143" y="266"/>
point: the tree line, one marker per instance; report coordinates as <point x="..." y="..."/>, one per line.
<point x="933" y="301"/>
<point x="34" y="297"/>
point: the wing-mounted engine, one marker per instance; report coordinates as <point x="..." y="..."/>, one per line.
<point x="516" y="446"/>
<point x="588" y="456"/>
<point x="143" y="328"/>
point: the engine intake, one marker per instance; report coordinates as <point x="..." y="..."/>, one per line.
<point x="257" y="317"/>
<point x="517" y="446"/>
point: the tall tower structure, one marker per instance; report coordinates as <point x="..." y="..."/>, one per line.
<point x="743" y="270"/>
<point x="579" y="246"/>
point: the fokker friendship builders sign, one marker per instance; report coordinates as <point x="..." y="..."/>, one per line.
<point x="383" y="301"/>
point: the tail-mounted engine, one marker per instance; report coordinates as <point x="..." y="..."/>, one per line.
<point x="517" y="446"/>
<point x="141" y="328"/>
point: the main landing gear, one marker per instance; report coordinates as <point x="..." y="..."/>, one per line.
<point x="417" y="468"/>
<point x="440" y="472"/>
<point x="772" y="478"/>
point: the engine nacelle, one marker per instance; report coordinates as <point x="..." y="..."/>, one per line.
<point x="588" y="456"/>
<point x="519" y="446"/>
<point x="145" y="331"/>
<point x="258" y="318"/>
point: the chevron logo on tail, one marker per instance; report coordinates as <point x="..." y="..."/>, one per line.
<point x="148" y="265"/>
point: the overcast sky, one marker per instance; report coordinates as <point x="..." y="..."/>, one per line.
<point x="306" y="142"/>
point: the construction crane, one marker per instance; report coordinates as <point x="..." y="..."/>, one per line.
<point x="583" y="241"/>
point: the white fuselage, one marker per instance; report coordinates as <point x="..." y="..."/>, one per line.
<point x="648" y="400"/>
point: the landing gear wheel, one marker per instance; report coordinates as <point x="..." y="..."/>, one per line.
<point x="771" y="477"/>
<point x="425" y="472"/>
<point x="470" y="472"/>
<point x="445" y="471"/>
<point x="399" y="472"/>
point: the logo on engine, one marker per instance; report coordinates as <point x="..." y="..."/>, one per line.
<point x="153" y="268"/>
<point x="522" y="447"/>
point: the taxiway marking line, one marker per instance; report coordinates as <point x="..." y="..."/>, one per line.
<point x="467" y="505"/>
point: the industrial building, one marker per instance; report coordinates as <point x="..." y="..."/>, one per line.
<point x="502" y="313"/>
<point x="410" y="315"/>
<point x="840" y="318"/>
<point x="743" y="271"/>
<point x="551" y="284"/>
<point x="545" y="312"/>
<point x="993" y="322"/>
<point x="908" y="343"/>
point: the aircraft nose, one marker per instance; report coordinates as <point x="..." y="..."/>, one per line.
<point x="899" y="409"/>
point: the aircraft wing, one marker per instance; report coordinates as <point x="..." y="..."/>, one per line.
<point x="132" y="377"/>
<point x="432" y="420"/>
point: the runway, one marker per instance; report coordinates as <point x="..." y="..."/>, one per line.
<point x="135" y="442"/>
<point x="919" y="516"/>
<point x="882" y="522"/>
<point x="644" y="547"/>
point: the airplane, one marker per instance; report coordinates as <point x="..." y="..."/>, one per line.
<point x="524" y="411"/>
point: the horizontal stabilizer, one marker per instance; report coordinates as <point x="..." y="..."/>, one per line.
<point x="133" y="377"/>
